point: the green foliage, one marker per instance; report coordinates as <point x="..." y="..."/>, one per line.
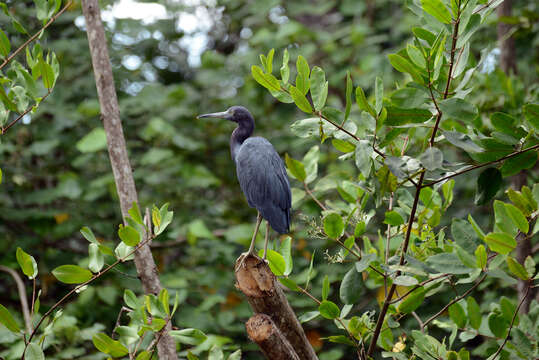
<point x="56" y="176"/>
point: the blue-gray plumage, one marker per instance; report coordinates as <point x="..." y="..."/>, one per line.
<point x="261" y="173"/>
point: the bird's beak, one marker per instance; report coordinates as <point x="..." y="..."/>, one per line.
<point x="219" y="115"/>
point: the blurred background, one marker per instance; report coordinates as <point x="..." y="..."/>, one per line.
<point x="173" y="60"/>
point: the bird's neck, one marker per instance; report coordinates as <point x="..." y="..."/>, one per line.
<point x="239" y="135"/>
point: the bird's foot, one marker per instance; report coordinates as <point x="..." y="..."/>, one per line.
<point x="241" y="260"/>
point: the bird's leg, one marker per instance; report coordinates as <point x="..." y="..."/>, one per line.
<point x="266" y="240"/>
<point x="251" y="250"/>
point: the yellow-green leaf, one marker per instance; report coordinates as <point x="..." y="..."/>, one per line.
<point x="517" y="269"/>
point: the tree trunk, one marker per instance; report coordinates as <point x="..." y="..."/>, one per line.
<point x="506" y="42"/>
<point x="255" y="279"/>
<point x="121" y="168"/>
<point x="271" y="341"/>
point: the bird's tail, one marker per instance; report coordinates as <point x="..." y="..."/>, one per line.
<point x="278" y="218"/>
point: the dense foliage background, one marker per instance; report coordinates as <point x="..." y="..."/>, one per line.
<point x="195" y="58"/>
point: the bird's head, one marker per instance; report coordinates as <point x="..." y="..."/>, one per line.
<point x="238" y="114"/>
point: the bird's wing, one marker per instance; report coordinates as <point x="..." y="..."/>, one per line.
<point x="262" y="174"/>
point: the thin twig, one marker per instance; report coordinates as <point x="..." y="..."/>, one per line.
<point x="391" y="291"/>
<point x="36" y="35"/>
<point x="474" y="167"/>
<point x="22" y="296"/>
<point x="455" y="300"/>
<point x="512" y="323"/>
<point x="4" y="129"/>
<point x="78" y="287"/>
<point x="310" y="193"/>
<point x="421" y="325"/>
<point x="119" y="318"/>
<point x="423" y="283"/>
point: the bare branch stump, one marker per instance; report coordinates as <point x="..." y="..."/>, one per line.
<point x="271" y="341"/>
<point x="255" y="279"/>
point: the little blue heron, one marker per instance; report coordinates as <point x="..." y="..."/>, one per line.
<point x="261" y="173"/>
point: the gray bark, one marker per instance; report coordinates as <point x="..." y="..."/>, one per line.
<point x="121" y="168"/>
<point x="255" y="279"/>
<point x="273" y="344"/>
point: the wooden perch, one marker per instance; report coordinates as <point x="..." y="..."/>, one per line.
<point x="271" y="341"/>
<point x="255" y="279"/>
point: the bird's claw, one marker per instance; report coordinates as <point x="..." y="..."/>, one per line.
<point x="241" y="260"/>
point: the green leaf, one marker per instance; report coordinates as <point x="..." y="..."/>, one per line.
<point x="296" y="168"/>
<point x="164" y="298"/>
<point x="27" y="263"/>
<point x="529" y="264"/>
<point x="498" y="325"/>
<point x="363" y="103"/>
<point x="481" y="257"/>
<point x="457" y="314"/>
<point x="286" y="251"/>
<point x="94" y="141"/>
<point x="302" y="79"/>
<point x="405" y="280"/>
<point x="437" y="9"/>
<point x="465" y="257"/>
<point x="5" y="45"/>
<point x="329" y="309"/>
<point x="34" y="352"/>
<point x="363" y="157"/>
<point x="343" y="145"/>
<point x="416" y="56"/>
<point x="325" y="288"/>
<point x="518" y="163"/>
<point x="412" y="301"/>
<point x="458" y="109"/>
<point x="531" y="111"/>
<point x="447" y="263"/>
<point x="285" y="70"/>
<point x="506" y="124"/>
<point x="7" y="320"/>
<point x="397" y="166"/>
<point x="131" y="300"/>
<point x="129" y="235"/>
<point x="351" y="289"/>
<point x="500" y="242"/>
<point x="333" y="225"/>
<point x="266" y="80"/>
<point x="522" y="343"/>
<point x="424" y="34"/>
<point x="349" y="89"/>
<point x="488" y="184"/>
<point x="504" y="223"/>
<point x="134" y="211"/>
<point x="109" y="346"/>
<point x="476" y="227"/>
<point x="97" y="260"/>
<point x="518" y="218"/>
<point x="474" y="312"/>
<point x="0" y="176"/>
<point x="432" y="158"/>
<point x="276" y="262"/>
<point x="88" y="235"/>
<point x="401" y="116"/>
<point x="464" y="235"/>
<point x="393" y="218"/>
<point x="379" y="95"/>
<point x="71" y="274"/>
<point x="517" y="269"/>
<point x="462" y="141"/>
<point x="402" y="65"/>
<point x="319" y="88"/>
<point x="300" y="100"/>
<point x="47" y="74"/>
<point x="289" y="283"/>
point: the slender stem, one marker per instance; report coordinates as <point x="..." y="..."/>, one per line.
<point x="33" y="297"/>
<point x="22" y="296"/>
<point x="417" y="287"/>
<point x="310" y="193"/>
<point x="455" y="300"/>
<point x="4" y="129"/>
<point x="419" y="185"/>
<point x="478" y="166"/>
<point x="388" y="240"/>
<point x="36" y="35"/>
<point x="78" y="287"/>
<point x="512" y="323"/>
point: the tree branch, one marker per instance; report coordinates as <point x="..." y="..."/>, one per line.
<point x="4" y="129"/>
<point x="269" y="339"/>
<point x="121" y="168"/>
<point x="474" y="167"/>
<point x="22" y="296"/>
<point x="36" y="35"/>
<point x="512" y="323"/>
